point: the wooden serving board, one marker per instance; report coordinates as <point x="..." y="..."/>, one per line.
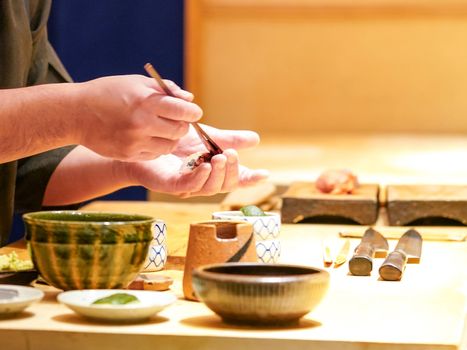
<point x="303" y="200"/>
<point x="407" y="204"/>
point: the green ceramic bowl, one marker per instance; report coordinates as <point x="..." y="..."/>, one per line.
<point x="88" y="250"/>
<point x="260" y="294"/>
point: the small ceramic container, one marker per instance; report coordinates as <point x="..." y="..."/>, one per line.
<point x="157" y="255"/>
<point x="217" y="241"/>
<point x="88" y="250"/>
<point x="266" y="229"/>
<point x="260" y="294"/>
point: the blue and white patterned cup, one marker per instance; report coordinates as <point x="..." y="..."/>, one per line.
<point x="266" y="228"/>
<point x="157" y="255"/>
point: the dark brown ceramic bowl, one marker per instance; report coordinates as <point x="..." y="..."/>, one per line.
<point x="262" y="294"/>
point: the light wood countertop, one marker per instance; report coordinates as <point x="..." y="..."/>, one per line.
<point x="374" y="158"/>
<point x="426" y="310"/>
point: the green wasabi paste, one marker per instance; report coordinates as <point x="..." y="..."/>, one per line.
<point x="252" y="210"/>
<point x="118" y="299"/>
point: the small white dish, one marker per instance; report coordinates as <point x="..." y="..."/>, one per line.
<point x="15" y="299"/>
<point x="150" y="303"/>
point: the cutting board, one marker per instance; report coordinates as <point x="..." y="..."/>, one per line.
<point x="303" y="200"/>
<point x="425" y="204"/>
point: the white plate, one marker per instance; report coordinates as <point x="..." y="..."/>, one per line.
<point x="151" y="302"/>
<point x="25" y="296"/>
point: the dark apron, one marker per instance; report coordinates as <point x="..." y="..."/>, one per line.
<point x="26" y="58"/>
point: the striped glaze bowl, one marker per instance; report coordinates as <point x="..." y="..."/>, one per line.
<point x="260" y="294"/>
<point x="88" y="250"/>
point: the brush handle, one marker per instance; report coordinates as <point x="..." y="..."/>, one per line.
<point x="393" y="267"/>
<point x="361" y="262"/>
<point x="207" y="141"/>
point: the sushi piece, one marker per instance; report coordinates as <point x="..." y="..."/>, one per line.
<point x="337" y="181"/>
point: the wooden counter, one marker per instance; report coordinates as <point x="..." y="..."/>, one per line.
<point x="379" y="158"/>
<point x="426" y="310"/>
<point x="374" y="157"/>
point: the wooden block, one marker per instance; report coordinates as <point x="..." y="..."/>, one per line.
<point x="302" y="200"/>
<point x="272" y="203"/>
<point x="253" y="195"/>
<point x="147" y="281"/>
<point x="156" y="282"/>
<point x="426" y="204"/>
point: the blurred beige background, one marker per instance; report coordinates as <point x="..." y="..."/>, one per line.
<point x="375" y="86"/>
<point x="301" y="66"/>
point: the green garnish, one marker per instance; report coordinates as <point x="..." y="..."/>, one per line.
<point x="252" y="210"/>
<point x="118" y="299"/>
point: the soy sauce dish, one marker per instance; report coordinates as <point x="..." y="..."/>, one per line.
<point x="260" y="294"/>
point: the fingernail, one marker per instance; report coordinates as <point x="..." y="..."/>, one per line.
<point x="220" y="162"/>
<point x="197" y="112"/>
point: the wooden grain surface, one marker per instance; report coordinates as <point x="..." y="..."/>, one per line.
<point x="408" y="203"/>
<point x="427" y="193"/>
<point x="426" y="310"/>
<point x="308" y="190"/>
<point x="303" y="200"/>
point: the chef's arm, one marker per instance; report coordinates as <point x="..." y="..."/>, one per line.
<point x="122" y="117"/>
<point x="32" y="119"/>
<point x="83" y="175"/>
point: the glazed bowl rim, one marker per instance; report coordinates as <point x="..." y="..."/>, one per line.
<point x="31" y="218"/>
<point x="201" y="272"/>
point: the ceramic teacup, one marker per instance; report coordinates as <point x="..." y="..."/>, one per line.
<point x="266" y="229"/>
<point x="157" y="255"/>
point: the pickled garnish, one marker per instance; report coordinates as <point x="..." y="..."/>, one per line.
<point x="118" y="299"/>
<point x="11" y="262"/>
<point x="252" y="210"/>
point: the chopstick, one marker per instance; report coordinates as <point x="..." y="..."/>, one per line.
<point x="342" y="255"/>
<point x="339" y="259"/>
<point x="327" y="258"/>
<point x="212" y="147"/>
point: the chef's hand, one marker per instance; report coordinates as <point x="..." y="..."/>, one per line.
<point x="222" y="174"/>
<point x="130" y="118"/>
